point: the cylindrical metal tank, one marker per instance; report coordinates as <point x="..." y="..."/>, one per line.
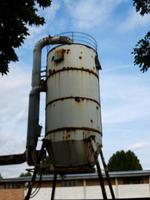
<point x="73" y="114"/>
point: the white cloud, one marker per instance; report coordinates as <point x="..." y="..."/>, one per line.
<point x="125" y="98"/>
<point x="141" y="149"/>
<point x="139" y="145"/>
<point x="12" y="142"/>
<point x="14" y="90"/>
<point x="38" y="32"/>
<point x="134" y="20"/>
<point x="125" y="101"/>
<point x="50" y="12"/>
<point x="88" y="14"/>
<point x="11" y="171"/>
<point x="14" y="93"/>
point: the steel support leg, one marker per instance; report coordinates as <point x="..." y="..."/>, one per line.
<point x="27" y="197"/>
<point x="101" y="180"/>
<point x="36" y="169"/>
<point x="107" y="175"/>
<point x="54" y="186"/>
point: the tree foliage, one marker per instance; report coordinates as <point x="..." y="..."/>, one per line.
<point x="142" y="6"/>
<point x="25" y="174"/>
<point x="46" y="163"/>
<point x="142" y="53"/>
<point x="1" y="176"/>
<point x="15" y="18"/>
<point x="124" y="161"/>
<point x="142" y="50"/>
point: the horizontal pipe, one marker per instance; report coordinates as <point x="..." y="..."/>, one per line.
<point x="13" y="159"/>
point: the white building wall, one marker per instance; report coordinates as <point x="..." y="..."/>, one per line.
<point x="94" y="192"/>
<point x="60" y="193"/>
<point x="134" y="190"/>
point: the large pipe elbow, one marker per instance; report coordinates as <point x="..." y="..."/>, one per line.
<point x="51" y="40"/>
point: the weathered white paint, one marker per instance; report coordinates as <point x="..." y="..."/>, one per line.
<point x="73" y="105"/>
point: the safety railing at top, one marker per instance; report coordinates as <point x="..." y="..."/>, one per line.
<point x="79" y="38"/>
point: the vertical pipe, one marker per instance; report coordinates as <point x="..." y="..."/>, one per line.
<point x="34" y="129"/>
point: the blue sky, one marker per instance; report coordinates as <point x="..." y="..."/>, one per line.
<point x="125" y="91"/>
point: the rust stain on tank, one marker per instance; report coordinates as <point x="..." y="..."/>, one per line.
<point x="67" y="51"/>
<point x="52" y="72"/>
<point x="67" y="136"/>
<point x="77" y="99"/>
<point x="68" y="133"/>
<point x="70" y="129"/>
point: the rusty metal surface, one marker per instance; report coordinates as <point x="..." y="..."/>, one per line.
<point x="69" y="129"/>
<point x="52" y="72"/>
<point x="73" y="84"/>
<point x="74" y="135"/>
<point x="83" y="57"/>
<point x="77" y="99"/>
<point x="72" y="106"/>
<point x="70" y="154"/>
<point x="69" y="113"/>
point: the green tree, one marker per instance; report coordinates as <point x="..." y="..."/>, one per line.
<point x="25" y="174"/>
<point x="15" y="18"/>
<point x="124" y="161"/>
<point x="142" y="50"/>
<point x="46" y="163"/>
<point x="1" y="177"/>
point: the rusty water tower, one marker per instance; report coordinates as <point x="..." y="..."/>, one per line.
<point x="72" y="106"/>
<point x="73" y="115"/>
<point x="73" y="127"/>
